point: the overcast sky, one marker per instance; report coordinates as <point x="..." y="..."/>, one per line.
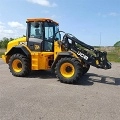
<point x="85" y="19"/>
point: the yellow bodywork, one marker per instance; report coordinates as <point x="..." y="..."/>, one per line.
<point x="4" y="58"/>
<point x="39" y="60"/>
<point x="12" y="44"/>
<point x="16" y="42"/>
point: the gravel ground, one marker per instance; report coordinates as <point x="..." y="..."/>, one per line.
<point x="42" y="97"/>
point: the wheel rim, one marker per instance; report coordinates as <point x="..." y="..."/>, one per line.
<point x="67" y="70"/>
<point x="17" y="65"/>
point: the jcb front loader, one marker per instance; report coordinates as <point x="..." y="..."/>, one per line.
<point x="44" y="49"/>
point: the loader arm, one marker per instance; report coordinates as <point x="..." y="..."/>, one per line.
<point x="97" y="59"/>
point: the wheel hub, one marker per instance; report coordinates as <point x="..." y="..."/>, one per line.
<point x="68" y="69"/>
<point x="17" y="65"/>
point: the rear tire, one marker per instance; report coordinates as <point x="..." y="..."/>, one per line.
<point x="68" y="70"/>
<point x="19" y="65"/>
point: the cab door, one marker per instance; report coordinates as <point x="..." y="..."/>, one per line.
<point x="49" y="31"/>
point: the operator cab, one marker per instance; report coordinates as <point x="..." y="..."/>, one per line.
<point x="41" y="33"/>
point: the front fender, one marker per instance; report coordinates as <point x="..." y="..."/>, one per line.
<point x="59" y="56"/>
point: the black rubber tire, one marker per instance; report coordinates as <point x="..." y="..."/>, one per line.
<point x="85" y="69"/>
<point x="24" y="62"/>
<point x="77" y="73"/>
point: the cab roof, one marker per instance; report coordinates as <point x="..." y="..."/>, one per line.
<point x="41" y="20"/>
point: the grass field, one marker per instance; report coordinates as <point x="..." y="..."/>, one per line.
<point x="113" y="55"/>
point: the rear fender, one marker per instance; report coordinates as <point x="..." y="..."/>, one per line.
<point x="17" y="49"/>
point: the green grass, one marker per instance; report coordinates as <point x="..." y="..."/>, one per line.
<point x="114" y="56"/>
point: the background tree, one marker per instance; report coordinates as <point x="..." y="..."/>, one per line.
<point x="4" y="42"/>
<point x="117" y="44"/>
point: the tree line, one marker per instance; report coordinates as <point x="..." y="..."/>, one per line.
<point x="117" y="44"/>
<point x="4" y="42"/>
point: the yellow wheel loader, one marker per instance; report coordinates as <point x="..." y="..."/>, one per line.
<point x="44" y="49"/>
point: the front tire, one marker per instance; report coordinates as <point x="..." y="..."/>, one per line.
<point x="68" y="70"/>
<point x="19" y="65"/>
